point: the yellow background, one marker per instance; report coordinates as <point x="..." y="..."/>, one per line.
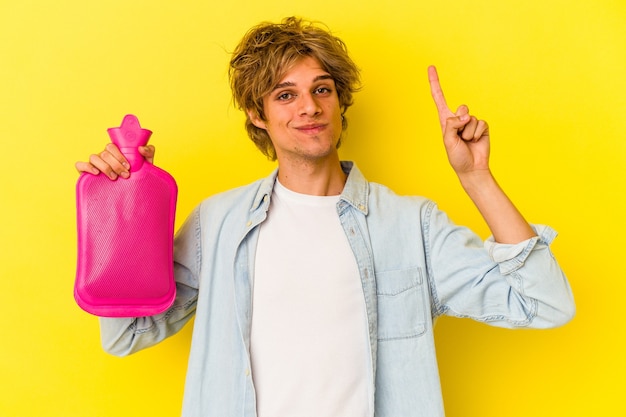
<point x="549" y="77"/>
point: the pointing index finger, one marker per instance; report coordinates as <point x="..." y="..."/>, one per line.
<point x="436" y="92"/>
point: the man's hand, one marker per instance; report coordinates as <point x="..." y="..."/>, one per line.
<point x="112" y="162"/>
<point x="466" y="138"/>
<point x="467" y="143"/>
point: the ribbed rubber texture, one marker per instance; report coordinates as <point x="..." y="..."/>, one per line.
<point x="125" y="233"/>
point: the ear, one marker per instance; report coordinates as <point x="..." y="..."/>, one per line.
<point x="256" y="120"/>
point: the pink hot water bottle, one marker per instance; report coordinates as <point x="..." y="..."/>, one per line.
<point x="125" y="234"/>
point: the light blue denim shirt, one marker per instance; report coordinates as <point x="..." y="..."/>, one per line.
<point x="415" y="265"/>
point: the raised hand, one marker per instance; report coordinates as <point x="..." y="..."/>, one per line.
<point x="465" y="137"/>
<point x="467" y="143"/>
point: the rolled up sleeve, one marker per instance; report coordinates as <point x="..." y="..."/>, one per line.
<point x="505" y="285"/>
<point x="532" y="270"/>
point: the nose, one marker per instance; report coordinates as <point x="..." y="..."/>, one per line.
<point x="309" y="105"/>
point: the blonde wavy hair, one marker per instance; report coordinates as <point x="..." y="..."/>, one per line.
<point x="266" y="53"/>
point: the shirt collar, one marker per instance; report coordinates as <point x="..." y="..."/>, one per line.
<point x="355" y="192"/>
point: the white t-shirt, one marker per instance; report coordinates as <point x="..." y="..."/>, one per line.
<point x="309" y="344"/>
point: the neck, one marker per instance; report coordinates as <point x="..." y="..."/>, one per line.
<point x="323" y="178"/>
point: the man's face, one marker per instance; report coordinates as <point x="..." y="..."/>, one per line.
<point x="303" y="116"/>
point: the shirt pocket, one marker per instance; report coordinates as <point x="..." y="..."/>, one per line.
<point x="401" y="304"/>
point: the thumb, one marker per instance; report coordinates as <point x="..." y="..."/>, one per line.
<point x="456" y="123"/>
<point x="147" y="152"/>
<point x="461" y="110"/>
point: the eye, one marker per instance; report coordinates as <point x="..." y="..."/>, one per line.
<point x="284" y="96"/>
<point x="321" y="90"/>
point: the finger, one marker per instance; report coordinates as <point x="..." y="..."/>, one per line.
<point x="111" y="162"/>
<point x="482" y="130"/>
<point x="118" y="157"/>
<point x="437" y="92"/>
<point x="454" y="126"/>
<point x="461" y="110"/>
<point x="100" y="161"/>
<point x="435" y="88"/>
<point x="469" y="130"/>
<point x="86" y="167"/>
<point x="148" y="152"/>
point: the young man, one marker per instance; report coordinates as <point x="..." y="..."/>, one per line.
<point x="315" y="291"/>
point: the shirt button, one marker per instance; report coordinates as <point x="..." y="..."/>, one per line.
<point x="247" y="372"/>
<point x="361" y="207"/>
<point x="248" y="224"/>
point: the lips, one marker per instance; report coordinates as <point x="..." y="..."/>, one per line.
<point x="311" y="128"/>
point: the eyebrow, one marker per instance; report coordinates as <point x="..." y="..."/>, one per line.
<point x="292" y="84"/>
